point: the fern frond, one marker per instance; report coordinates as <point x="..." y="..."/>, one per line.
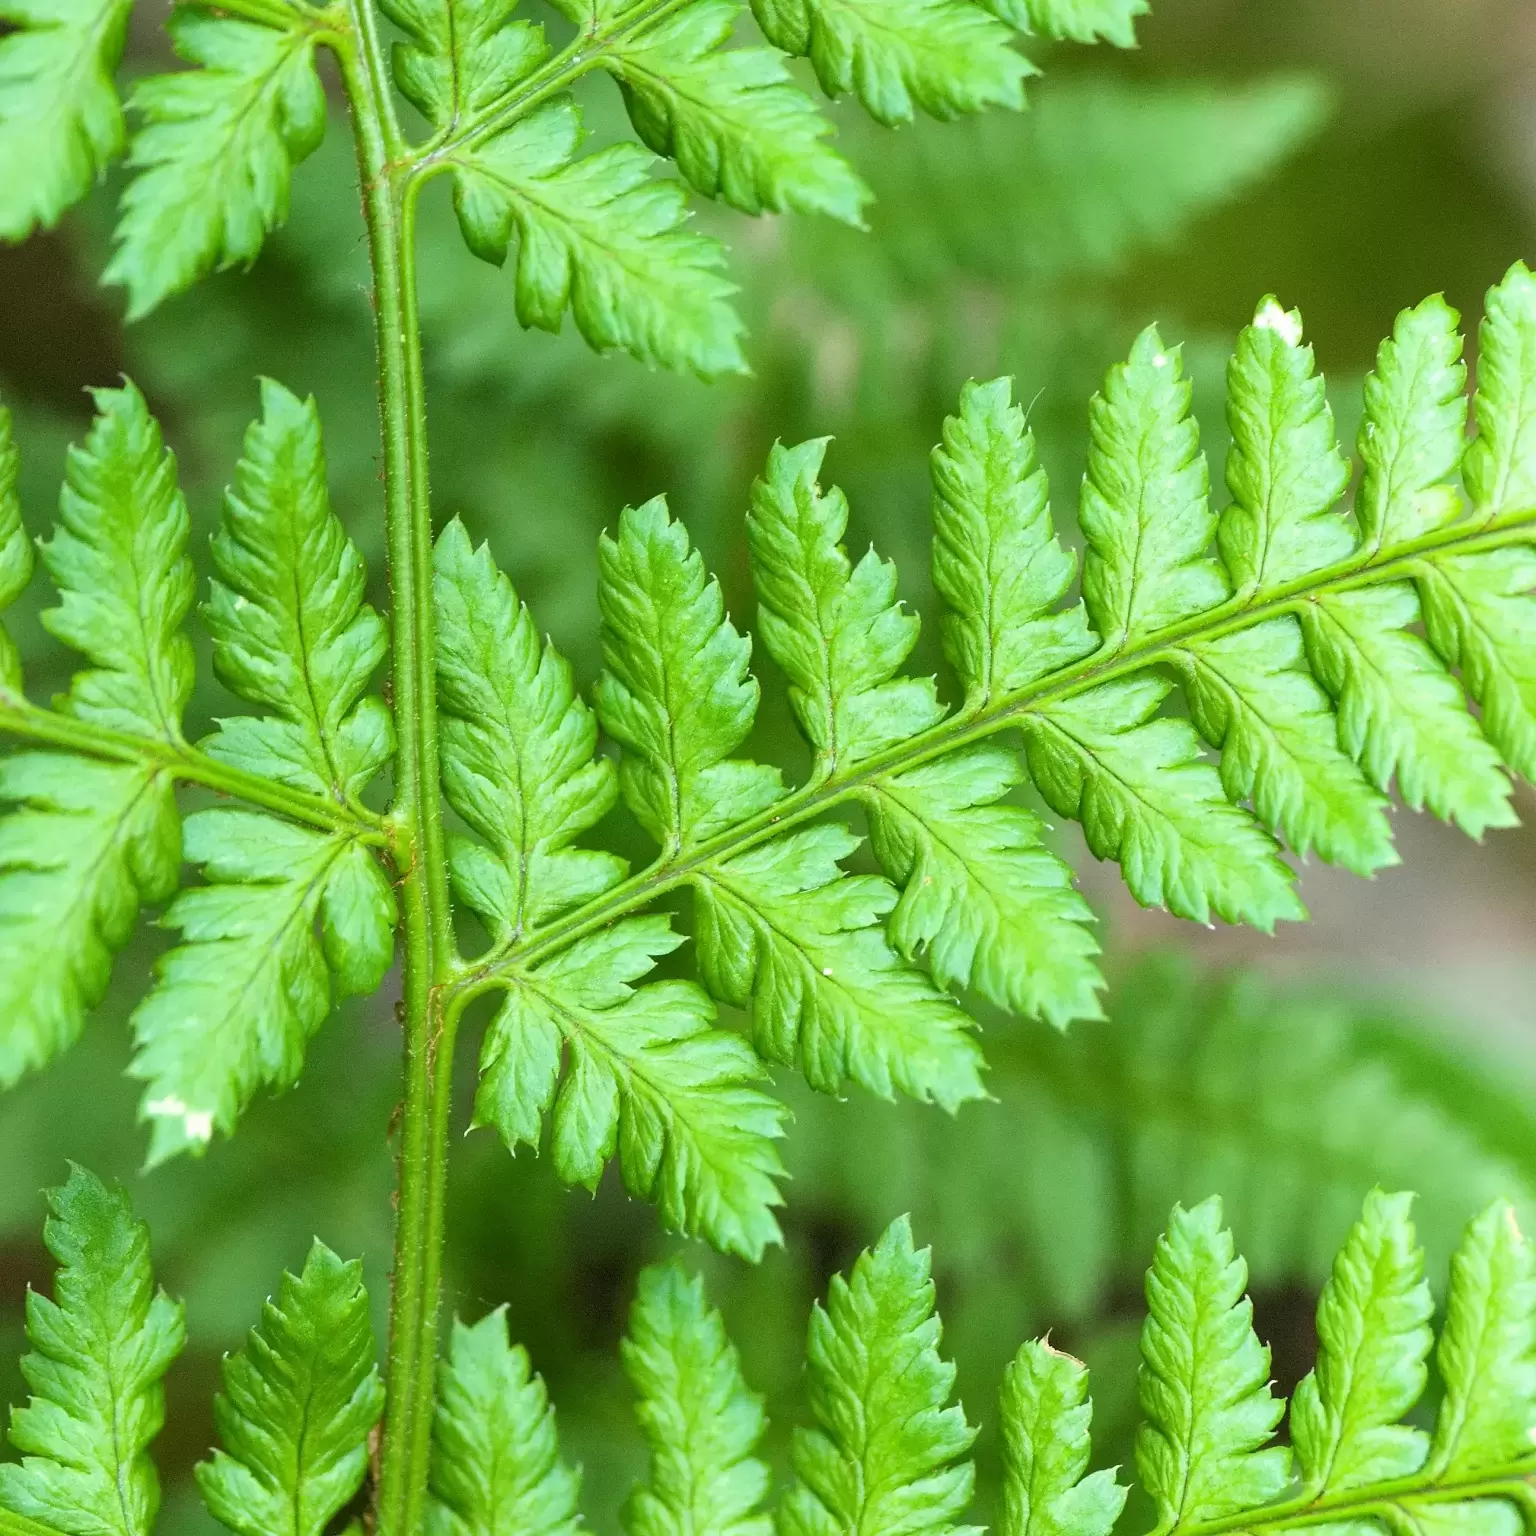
<point x="639" y="1071"/>
<point x="1286" y="622"/>
<point x="496" y="1464"/>
<point x="60" y="122"/>
<point x="297" y="1405"/>
<point x="234" y="1005"/>
<point x="596" y="235"/>
<point x="700" y="1421"/>
<point x="16" y="558"/>
<point x="289" y="625"/>
<point x="886" y="1452"/>
<point x="216" y="149"/>
<point x="99" y="1351"/>
<point x="887" y="1447"/>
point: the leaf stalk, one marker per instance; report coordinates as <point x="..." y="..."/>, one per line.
<point x="389" y="207"/>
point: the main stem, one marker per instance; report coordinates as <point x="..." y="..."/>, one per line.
<point x="389" y="205"/>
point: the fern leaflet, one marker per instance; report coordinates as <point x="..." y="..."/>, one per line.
<point x="495" y="1461"/>
<point x="297" y="1405"/>
<point x="99" y="1350"/>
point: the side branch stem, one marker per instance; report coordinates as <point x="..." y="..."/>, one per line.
<point x="1378" y="1500"/>
<point x="48" y="728"/>
<point x="389" y="199"/>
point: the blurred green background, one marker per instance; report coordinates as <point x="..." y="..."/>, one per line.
<point x="1347" y="155"/>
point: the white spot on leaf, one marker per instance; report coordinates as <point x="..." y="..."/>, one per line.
<point x="1286" y="324"/>
<point x="197" y="1123"/>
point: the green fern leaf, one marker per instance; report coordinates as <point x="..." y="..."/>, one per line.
<point x="993" y="906"/>
<point x="496" y="1466"/>
<point x="297" y="1405"/>
<point x="1500" y="467"/>
<point x="1400" y="711"/>
<point x="1251" y="695"/>
<point x="1044" y="1410"/>
<point x="1285" y="471"/>
<point x="1413" y="434"/>
<point x="600" y="237"/>
<point x="99" y="1351"/>
<point x="733" y="119"/>
<point x="1146" y="511"/>
<point x="16" y="558"/>
<point x="216" y="152"/>
<point x="1480" y="618"/>
<point x="517" y="750"/>
<point x="944" y="57"/>
<point x="701" y="1423"/>
<point x="1373" y="1328"/>
<point x="1204" y="1380"/>
<point x="235" y="1004"/>
<point x="885" y="1454"/>
<point x="289" y="625"/>
<point x="838" y="630"/>
<point x="783" y="930"/>
<point x="675" y="688"/>
<point x="1487" y="1353"/>
<point x="60" y="122"/>
<point x="644" y="1074"/>
<point x="89" y="845"/>
<point x="1146" y="798"/>
<point x="1078" y="21"/>
<point x="463" y="55"/>
<point x="997" y="562"/>
<point x="119" y="559"/>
